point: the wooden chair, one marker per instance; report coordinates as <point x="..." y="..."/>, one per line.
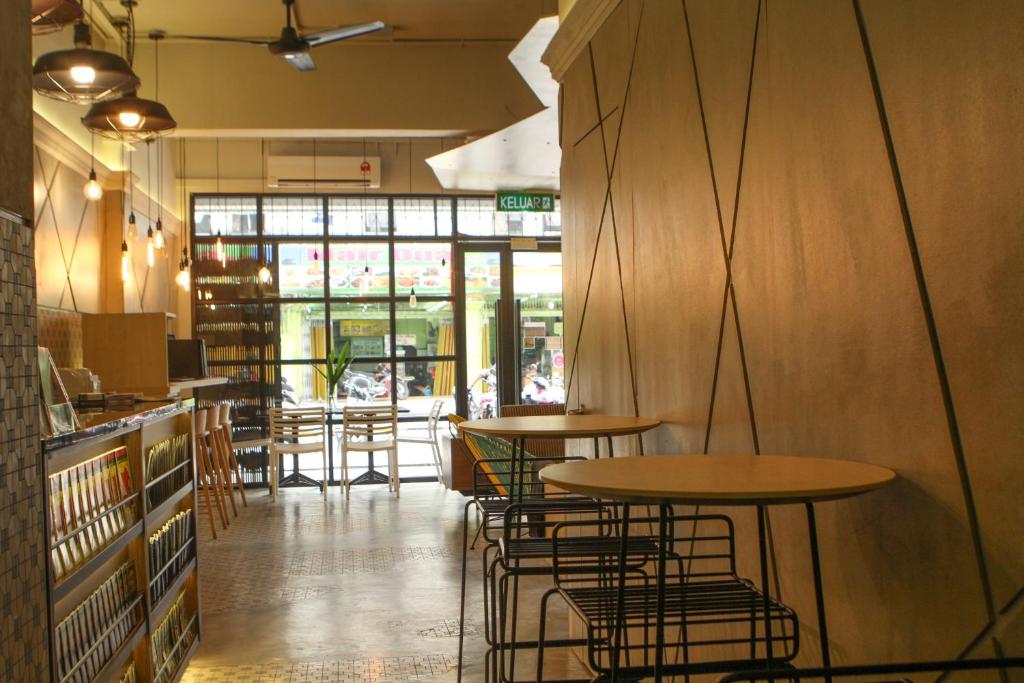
<point x="219" y="454"/>
<point x="208" y="479"/>
<point x="295" y="431"/>
<point x="370" y="428"/>
<point x="431" y="435"/>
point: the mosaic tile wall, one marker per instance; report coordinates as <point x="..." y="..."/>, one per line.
<point x="23" y="645"/>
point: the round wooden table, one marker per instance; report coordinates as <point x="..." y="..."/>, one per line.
<point x="519" y="429"/>
<point x="759" y="480"/>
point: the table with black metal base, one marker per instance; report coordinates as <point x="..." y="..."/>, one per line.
<point x="518" y="430"/>
<point x="743" y="480"/>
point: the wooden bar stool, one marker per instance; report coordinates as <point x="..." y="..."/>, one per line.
<point x="229" y="452"/>
<point x="244" y="445"/>
<point x="208" y="474"/>
<point x="219" y="454"/>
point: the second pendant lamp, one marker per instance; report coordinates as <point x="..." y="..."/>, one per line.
<point x="130" y="117"/>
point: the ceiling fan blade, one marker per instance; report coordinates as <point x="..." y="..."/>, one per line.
<point x="224" y="39"/>
<point x="302" y="61"/>
<point x="333" y="35"/>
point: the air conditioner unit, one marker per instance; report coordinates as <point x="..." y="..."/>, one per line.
<point x="323" y="173"/>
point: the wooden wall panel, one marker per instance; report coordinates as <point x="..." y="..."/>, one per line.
<point x="835" y="340"/>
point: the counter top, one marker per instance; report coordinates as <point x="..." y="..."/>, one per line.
<point x="100" y="424"/>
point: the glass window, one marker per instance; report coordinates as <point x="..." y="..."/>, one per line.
<point x="360" y="269"/>
<point x="478" y="217"/>
<point x="300" y="270"/>
<point x="301" y="385"/>
<point x="284" y="216"/>
<point x="303" y="331"/>
<point x="368" y="382"/>
<point x="360" y="216"/>
<point x="423" y="216"/>
<point x="427" y="330"/>
<point x="425" y="382"/>
<point x="226" y="216"/>
<point x="366" y="326"/>
<point x="425" y="267"/>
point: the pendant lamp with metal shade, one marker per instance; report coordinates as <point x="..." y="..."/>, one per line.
<point x="132" y="118"/>
<point x="53" y="15"/>
<point x="82" y="75"/>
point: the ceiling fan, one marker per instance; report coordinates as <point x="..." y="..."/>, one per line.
<point x="292" y="46"/>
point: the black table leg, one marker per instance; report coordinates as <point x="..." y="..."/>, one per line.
<point x="659" y="629"/>
<point x="620" y="607"/>
<point x="819" y="595"/>
<point x="763" y="552"/>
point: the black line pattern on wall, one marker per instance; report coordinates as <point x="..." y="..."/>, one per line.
<point x="610" y="173"/>
<point x="956" y="441"/>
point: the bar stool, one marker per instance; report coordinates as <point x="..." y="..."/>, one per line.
<point x="208" y="473"/>
<point x="219" y="456"/>
<point x="226" y="428"/>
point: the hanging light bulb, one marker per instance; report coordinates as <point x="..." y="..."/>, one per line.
<point x="133" y="231"/>
<point x="264" y="274"/>
<point x="124" y="262"/>
<point x="444" y="262"/>
<point x="158" y="240"/>
<point x="93" y="190"/>
<point x="150" y="247"/>
<point x="183" y="279"/>
<point x="219" y="249"/>
<point x="412" y="298"/>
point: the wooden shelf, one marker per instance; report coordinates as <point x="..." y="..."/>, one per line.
<point x="159" y="610"/>
<point x="183" y="664"/>
<point x="69" y="582"/>
<point x="157" y="515"/>
<point x="178" y="385"/>
<point x="111" y="671"/>
<point x="134" y="432"/>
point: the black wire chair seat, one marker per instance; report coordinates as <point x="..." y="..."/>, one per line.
<point x="712" y="620"/>
<point x="641" y="549"/>
<point x="725" y="601"/>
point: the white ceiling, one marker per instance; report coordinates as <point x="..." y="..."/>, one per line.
<point x="414" y="20"/>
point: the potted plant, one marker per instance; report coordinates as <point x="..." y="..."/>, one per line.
<point x="338" y="361"/>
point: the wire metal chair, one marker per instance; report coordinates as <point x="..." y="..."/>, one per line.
<point x="713" y="620"/>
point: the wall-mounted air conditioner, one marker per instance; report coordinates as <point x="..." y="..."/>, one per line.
<point x="322" y="173"/>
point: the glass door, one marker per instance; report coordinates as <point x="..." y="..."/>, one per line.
<point x="512" y="328"/>
<point x="540" y="359"/>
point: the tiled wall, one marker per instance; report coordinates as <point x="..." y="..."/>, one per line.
<point x="23" y="642"/>
<point x="23" y="645"/>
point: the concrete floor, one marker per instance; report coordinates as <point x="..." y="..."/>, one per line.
<point x="364" y="590"/>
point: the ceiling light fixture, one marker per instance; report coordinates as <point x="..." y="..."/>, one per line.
<point x="131" y="117"/>
<point x="82" y="75"/>
<point x="53" y="15"/>
<point x="93" y="190"/>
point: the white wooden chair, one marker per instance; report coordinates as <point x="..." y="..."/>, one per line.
<point x="370" y="428"/>
<point x="430" y="437"/>
<point x="295" y="431"/>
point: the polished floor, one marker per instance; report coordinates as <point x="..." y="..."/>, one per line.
<point x="360" y="591"/>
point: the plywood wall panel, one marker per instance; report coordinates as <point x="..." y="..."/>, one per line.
<point x="971" y="241"/>
<point x="836" y="344"/>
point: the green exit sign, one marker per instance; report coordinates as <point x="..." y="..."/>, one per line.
<point x="526" y="201"/>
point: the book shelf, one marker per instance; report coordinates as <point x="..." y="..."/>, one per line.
<point x="122" y="575"/>
<point x="239" y="329"/>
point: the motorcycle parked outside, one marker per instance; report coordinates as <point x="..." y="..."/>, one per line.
<point x="539" y="391"/>
<point x="365" y="386"/>
<point x="483" y="404"/>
